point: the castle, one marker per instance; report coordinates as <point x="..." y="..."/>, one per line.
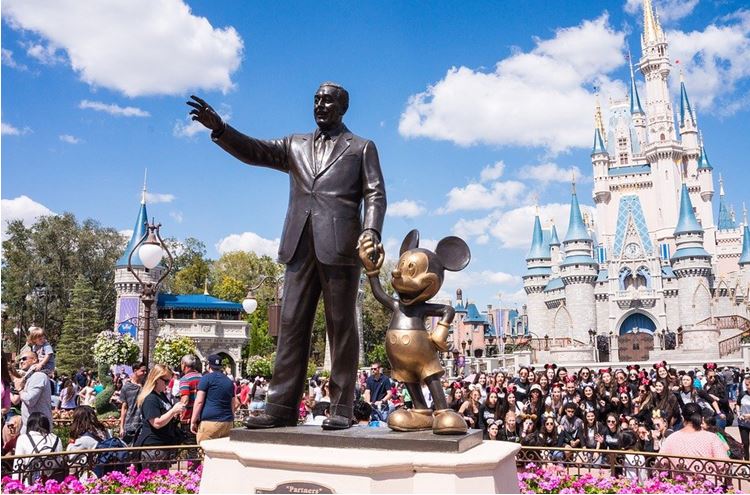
<point x="657" y="275"/>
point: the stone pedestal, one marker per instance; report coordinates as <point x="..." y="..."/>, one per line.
<point x="701" y="339"/>
<point x="361" y="459"/>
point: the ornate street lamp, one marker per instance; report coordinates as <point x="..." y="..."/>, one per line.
<point x="250" y="304"/>
<point x="151" y="249"/>
<point x="17" y="331"/>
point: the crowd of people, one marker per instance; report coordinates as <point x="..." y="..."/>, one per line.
<point x="659" y="409"/>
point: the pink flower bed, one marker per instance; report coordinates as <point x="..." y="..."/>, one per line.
<point x="132" y="481"/>
<point x="554" y="479"/>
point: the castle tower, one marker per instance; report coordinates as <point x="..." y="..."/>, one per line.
<point x="655" y="67"/>
<point x="692" y="265"/>
<point x="744" y="261"/>
<point x="688" y="126"/>
<point x="129" y="309"/>
<point x="554" y="247"/>
<point x="636" y="110"/>
<point x="578" y="272"/>
<point x="538" y="272"/>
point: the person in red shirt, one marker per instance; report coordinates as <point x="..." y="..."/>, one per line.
<point x="244" y="394"/>
<point x="188" y="390"/>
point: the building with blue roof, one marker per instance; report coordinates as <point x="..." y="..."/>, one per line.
<point x="217" y="326"/>
<point x="665" y="254"/>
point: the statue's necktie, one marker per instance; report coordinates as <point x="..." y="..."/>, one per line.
<point x="321" y="149"/>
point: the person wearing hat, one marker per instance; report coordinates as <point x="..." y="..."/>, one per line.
<point x="215" y="403"/>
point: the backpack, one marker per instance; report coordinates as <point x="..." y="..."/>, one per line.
<point x="48" y="468"/>
<point x="107" y="462"/>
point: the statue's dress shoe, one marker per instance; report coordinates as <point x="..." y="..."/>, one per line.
<point x="448" y="422"/>
<point x="337" y="423"/>
<point x="264" y="421"/>
<point x="410" y="420"/>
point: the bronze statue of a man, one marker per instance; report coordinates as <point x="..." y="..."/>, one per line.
<point x="337" y="198"/>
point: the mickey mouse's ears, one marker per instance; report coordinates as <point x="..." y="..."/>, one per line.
<point x="453" y="253"/>
<point x="411" y="241"/>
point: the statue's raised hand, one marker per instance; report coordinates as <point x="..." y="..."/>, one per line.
<point x="203" y="113"/>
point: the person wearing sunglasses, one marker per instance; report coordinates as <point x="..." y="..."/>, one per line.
<point x="34" y="389"/>
<point x="159" y="418"/>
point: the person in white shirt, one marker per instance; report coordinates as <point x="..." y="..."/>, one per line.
<point x="38" y="438"/>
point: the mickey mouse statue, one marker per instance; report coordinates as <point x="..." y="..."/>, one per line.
<point x="412" y="350"/>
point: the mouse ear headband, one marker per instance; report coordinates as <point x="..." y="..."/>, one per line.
<point x="605" y="370"/>
<point x="660" y="364"/>
<point x="709" y="366"/>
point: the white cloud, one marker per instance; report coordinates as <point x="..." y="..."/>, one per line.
<point x="176" y="215"/>
<point x="477" y="196"/>
<point x="9" y="61"/>
<point x="536" y="98"/>
<point x="126" y="233"/>
<point x="44" y="54"/>
<point x="513" y="227"/>
<point x="405" y="208"/>
<point x="551" y="172"/>
<point x="113" y="109"/>
<point x="11" y="130"/>
<point x="667" y="10"/>
<point x="136" y="47"/>
<point x="22" y="208"/>
<point x="715" y="62"/>
<point x="248" y="241"/>
<point x="152" y="198"/>
<point x="67" y="138"/>
<point x="468" y="279"/>
<point x="492" y="172"/>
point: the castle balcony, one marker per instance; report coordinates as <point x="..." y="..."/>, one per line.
<point x="224" y="330"/>
<point x="635" y="298"/>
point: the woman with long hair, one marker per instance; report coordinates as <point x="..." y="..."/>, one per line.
<point x="554" y="403"/>
<point x="644" y="404"/>
<point x="666" y="403"/>
<point x="535" y="404"/>
<point x="606" y="388"/>
<point x="456" y="397"/>
<point x="743" y="415"/>
<point x="68" y="393"/>
<point x="492" y="431"/>
<point x="159" y="426"/>
<point x="86" y="431"/>
<point x="549" y="437"/>
<point x="38" y="438"/>
<point x="623" y="406"/>
<point x="611" y="437"/>
<point x="488" y="410"/>
<point x="470" y="409"/>
<point x="593" y="435"/>
<point x="8" y="373"/>
<point x="688" y="394"/>
<point x="544" y="384"/>
<point x="585" y="378"/>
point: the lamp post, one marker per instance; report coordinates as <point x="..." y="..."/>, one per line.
<point x="250" y="304"/>
<point x="151" y="249"/>
<point x="17" y="331"/>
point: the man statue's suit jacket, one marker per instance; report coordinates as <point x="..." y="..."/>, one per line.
<point x="342" y="199"/>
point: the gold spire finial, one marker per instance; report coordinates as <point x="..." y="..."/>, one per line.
<point x="205" y="287"/>
<point x="651" y="27"/>
<point x="143" y="193"/>
<point x="598" y="121"/>
<point x="721" y="185"/>
<point x="573" y="181"/>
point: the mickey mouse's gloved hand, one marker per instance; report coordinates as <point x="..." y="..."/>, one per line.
<point x="439" y="336"/>
<point x="371" y="255"/>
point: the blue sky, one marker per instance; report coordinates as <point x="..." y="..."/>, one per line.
<point x="478" y="110"/>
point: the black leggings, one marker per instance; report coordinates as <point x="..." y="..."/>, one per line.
<point x="745" y="437"/>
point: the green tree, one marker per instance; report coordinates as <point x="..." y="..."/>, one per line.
<point x="41" y="263"/>
<point x="189" y="255"/>
<point x="81" y="325"/>
<point x="191" y="279"/>
<point x="259" y="342"/>
<point x="230" y="289"/>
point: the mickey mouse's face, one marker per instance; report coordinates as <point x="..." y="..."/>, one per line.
<point x="413" y="279"/>
<point x="419" y="273"/>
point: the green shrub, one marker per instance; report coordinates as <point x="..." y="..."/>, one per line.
<point x="101" y="403"/>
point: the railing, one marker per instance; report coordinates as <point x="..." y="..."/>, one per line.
<point x="546" y="344"/>
<point x="81" y="463"/>
<point x="732" y="344"/>
<point x="618" y="463"/>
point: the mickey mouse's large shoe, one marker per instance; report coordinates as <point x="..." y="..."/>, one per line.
<point x="449" y="422"/>
<point x="410" y="420"/>
<point x="265" y="421"/>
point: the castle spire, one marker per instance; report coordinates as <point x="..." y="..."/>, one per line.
<point x="139" y="230"/>
<point x="726" y="222"/>
<point x="635" y="101"/>
<point x="576" y="227"/>
<point x="687" y="222"/>
<point x="703" y="162"/>
<point x="685" y="110"/>
<point x="652" y="32"/>
<point x="143" y="192"/>
<point x="598" y="121"/>
<point x="745" y="256"/>
<point x="538" y="249"/>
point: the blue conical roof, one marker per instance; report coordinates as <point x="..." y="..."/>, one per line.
<point x="685" y="110"/>
<point x="635" y="101"/>
<point x="745" y="256"/>
<point x="577" y="230"/>
<point x="687" y="222"/>
<point x="139" y="230"/>
<point x="598" y="143"/>
<point x="538" y="249"/>
<point x="726" y="222"/>
<point x="553" y="239"/>
<point x="703" y="162"/>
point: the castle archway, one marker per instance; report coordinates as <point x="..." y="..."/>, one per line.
<point x="636" y="336"/>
